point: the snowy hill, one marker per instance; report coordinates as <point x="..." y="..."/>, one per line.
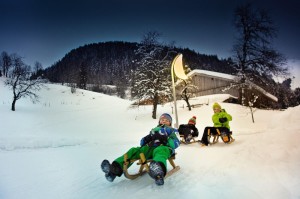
<point x="53" y="149"/>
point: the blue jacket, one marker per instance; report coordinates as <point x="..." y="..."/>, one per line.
<point x="162" y="135"/>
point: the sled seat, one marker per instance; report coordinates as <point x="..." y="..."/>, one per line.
<point x="182" y="140"/>
<point x="224" y="137"/>
<point x="144" y="166"/>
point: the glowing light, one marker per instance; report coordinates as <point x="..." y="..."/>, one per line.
<point x="177" y="68"/>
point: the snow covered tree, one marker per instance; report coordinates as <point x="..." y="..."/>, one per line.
<point x="296" y="100"/>
<point x="152" y="78"/>
<point x="20" y="82"/>
<point x="286" y="96"/>
<point x="254" y="56"/>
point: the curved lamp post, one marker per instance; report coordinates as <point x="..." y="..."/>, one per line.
<point x="177" y="69"/>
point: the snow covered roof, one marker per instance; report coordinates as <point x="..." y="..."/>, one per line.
<point x="269" y="95"/>
<point x="212" y="73"/>
<point x="229" y="77"/>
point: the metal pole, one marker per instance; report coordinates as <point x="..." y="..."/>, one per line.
<point x="177" y="69"/>
<point x="174" y="92"/>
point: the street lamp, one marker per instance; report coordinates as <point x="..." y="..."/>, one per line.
<point x="177" y="69"/>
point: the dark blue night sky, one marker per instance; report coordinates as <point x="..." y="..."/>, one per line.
<point x="46" y="30"/>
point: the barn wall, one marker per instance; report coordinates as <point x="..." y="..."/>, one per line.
<point x="208" y="85"/>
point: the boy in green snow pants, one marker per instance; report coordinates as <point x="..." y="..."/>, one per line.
<point x="158" y="145"/>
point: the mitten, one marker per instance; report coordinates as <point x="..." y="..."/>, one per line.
<point x="162" y="138"/>
<point x="222" y="120"/>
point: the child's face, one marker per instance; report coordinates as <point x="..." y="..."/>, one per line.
<point x="164" y="121"/>
<point x="217" y="110"/>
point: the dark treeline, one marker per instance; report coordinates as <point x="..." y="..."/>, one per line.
<point x="111" y="63"/>
<point x="94" y="66"/>
<point x="114" y="63"/>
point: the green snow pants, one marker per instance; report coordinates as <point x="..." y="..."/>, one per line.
<point x="158" y="154"/>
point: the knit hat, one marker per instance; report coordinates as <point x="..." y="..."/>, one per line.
<point x="166" y="116"/>
<point x="192" y="120"/>
<point x="216" y="105"/>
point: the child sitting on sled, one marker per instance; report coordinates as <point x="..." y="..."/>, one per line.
<point x="158" y="145"/>
<point x="188" y="131"/>
<point x="221" y="126"/>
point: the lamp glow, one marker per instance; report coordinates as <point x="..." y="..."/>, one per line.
<point x="177" y="69"/>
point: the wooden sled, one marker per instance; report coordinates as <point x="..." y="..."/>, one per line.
<point x="144" y="166"/>
<point x="182" y="140"/>
<point x="225" y="139"/>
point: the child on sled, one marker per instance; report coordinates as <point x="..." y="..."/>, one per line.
<point x="158" y="145"/>
<point x="221" y="126"/>
<point x="188" y="131"/>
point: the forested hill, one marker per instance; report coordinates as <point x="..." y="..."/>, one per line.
<point x="111" y="63"/>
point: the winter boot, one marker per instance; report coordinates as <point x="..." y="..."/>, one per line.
<point x="111" y="170"/>
<point x="116" y="169"/>
<point x="202" y="143"/>
<point x="189" y="138"/>
<point x="225" y="137"/>
<point x="157" y="171"/>
<point x="105" y="166"/>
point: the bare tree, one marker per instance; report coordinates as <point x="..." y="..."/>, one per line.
<point x="20" y="82"/>
<point x="188" y="90"/>
<point x="37" y="70"/>
<point x="37" y="67"/>
<point x="6" y="63"/>
<point x="254" y="55"/>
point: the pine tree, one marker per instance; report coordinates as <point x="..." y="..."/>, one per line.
<point x="82" y="77"/>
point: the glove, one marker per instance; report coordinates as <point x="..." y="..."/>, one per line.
<point x="162" y="138"/>
<point x="142" y="142"/>
<point x="222" y="120"/>
<point x="146" y="140"/>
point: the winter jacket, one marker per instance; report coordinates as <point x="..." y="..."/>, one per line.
<point x="188" y="129"/>
<point x="161" y="135"/>
<point x="216" y="119"/>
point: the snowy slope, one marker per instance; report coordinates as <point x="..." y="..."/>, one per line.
<point x="53" y="149"/>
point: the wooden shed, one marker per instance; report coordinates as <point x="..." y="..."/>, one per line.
<point x="209" y="82"/>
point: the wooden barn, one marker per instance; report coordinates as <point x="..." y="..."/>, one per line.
<point x="209" y="82"/>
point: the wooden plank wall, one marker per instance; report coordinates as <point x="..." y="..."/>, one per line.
<point x="208" y="85"/>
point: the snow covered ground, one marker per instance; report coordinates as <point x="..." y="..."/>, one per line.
<point x="53" y="149"/>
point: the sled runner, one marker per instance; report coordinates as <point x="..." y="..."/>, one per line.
<point x="144" y="166"/>
<point x="188" y="132"/>
<point x="225" y="138"/>
<point x="182" y="140"/>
